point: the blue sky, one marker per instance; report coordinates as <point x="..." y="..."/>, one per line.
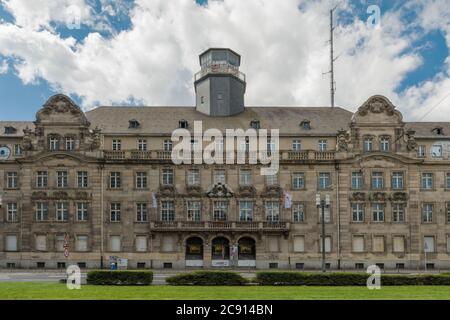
<point x="409" y="46"/>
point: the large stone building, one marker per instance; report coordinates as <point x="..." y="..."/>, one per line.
<point x="102" y="184"/>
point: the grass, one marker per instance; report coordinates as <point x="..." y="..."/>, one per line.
<point x="52" y="291"/>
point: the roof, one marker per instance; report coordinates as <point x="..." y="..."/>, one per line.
<point x="18" y="125"/>
<point x="425" y="129"/>
<point x="163" y="120"/>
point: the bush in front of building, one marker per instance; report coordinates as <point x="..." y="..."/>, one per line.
<point x="207" y="278"/>
<point x="345" y="279"/>
<point x="120" y="277"/>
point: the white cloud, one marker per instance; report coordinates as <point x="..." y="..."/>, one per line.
<point x="4" y="67"/>
<point x="284" y="52"/>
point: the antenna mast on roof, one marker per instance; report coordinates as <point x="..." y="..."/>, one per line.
<point x="332" y="59"/>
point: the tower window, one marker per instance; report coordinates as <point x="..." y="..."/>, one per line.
<point x="183" y="124"/>
<point x="255" y="124"/>
<point x="133" y="124"/>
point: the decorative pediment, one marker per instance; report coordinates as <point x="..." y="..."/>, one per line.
<point x="81" y="195"/>
<point x="195" y="191"/>
<point x="377" y="107"/>
<point x="378" y="196"/>
<point x="60" y="195"/>
<point x="358" y="196"/>
<point x="247" y="191"/>
<point x="273" y="191"/>
<point x="166" y="191"/>
<point x="399" y="196"/>
<point x="62" y="108"/>
<point x="39" y="195"/>
<point x="220" y="190"/>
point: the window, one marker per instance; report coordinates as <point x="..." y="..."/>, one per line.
<point x="377" y="180"/>
<point x="219" y="176"/>
<point x="168" y="244"/>
<point x="436" y="151"/>
<point x="10" y="130"/>
<point x="11" y="242"/>
<point x="427" y="212"/>
<point x="358" y="243"/>
<point x="327" y="244"/>
<point x="378" y="212"/>
<point x="384" y="144"/>
<point x="368" y="144"/>
<point x="115" y="212"/>
<point x="141" y="212"/>
<point x="193" y="177"/>
<point x="398" y="212"/>
<point x="296" y="145"/>
<point x="428" y="244"/>
<point x="114" y="180"/>
<point x="299" y="243"/>
<point x="274" y="246"/>
<point x="255" y="124"/>
<point x="17" y="150"/>
<point x="11" y="212"/>
<point x="82" y="179"/>
<point x="378" y="244"/>
<point x="220" y="210"/>
<point x="141" y="180"/>
<point x="322" y="145"/>
<point x="421" y="151"/>
<point x="167" y="145"/>
<point x="133" y="124"/>
<point x="218" y="145"/>
<point x="397" y="180"/>
<point x="59" y="242"/>
<point x="12" y="180"/>
<point x="41" y="243"/>
<point x="357" y="212"/>
<point x="357" y="180"/>
<point x="399" y="244"/>
<point x="62" y="211"/>
<point x="272" y="211"/>
<point x="183" y="124"/>
<point x="142" y="145"/>
<point x="271" y="145"/>
<point x="298" y="212"/>
<point x="116" y="144"/>
<point x="53" y="143"/>
<point x="326" y="214"/>
<point x="167" y="177"/>
<point x="41" y="211"/>
<point x="245" y="177"/>
<point x="141" y="244"/>
<point x="448" y="212"/>
<point x="62" y="179"/>
<point x="167" y="211"/>
<point x="194" y="211"/>
<point x="42" y="179"/>
<point x="82" y="211"/>
<point x="324" y="180"/>
<point x="298" y="180"/>
<point x="272" y="180"/>
<point x="306" y="124"/>
<point x="115" y="243"/>
<point x="447" y="181"/>
<point x="70" y="143"/>
<point x="427" y="181"/>
<point x="245" y="210"/>
<point x="81" y="243"/>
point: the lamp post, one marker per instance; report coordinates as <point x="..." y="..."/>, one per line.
<point x="322" y="204"/>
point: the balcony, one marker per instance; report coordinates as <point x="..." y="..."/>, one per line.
<point x="279" y="226"/>
<point x="223" y="68"/>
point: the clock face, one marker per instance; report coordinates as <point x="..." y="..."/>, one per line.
<point x="436" y="151"/>
<point x="4" y="153"/>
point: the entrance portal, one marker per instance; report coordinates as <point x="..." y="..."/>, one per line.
<point x="220" y="253"/>
<point x="246" y="252"/>
<point x="194" y="252"/>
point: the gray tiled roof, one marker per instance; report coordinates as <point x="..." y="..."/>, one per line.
<point x="18" y="125"/>
<point x="425" y="129"/>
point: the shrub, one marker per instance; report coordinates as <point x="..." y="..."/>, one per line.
<point x="207" y="278"/>
<point x="119" y="277"/>
<point x="345" y="279"/>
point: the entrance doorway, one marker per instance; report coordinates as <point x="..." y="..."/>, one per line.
<point x="220" y="252"/>
<point x="194" y="252"/>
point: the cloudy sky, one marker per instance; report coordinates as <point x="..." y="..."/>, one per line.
<point x="145" y="52"/>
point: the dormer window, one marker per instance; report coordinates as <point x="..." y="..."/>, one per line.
<point x="133" y="124"/>
<point x="306" y="124"/>
<point x="255" y="124"/>
<point x="183" y="124"/>
<point x="438" y="131"/>
<point x="10" y="130"/>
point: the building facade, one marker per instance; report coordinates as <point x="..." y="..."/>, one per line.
<point x="81" y="187"/>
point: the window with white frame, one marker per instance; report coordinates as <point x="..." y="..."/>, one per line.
<point x="41" y="211"/>
<point x="298" y="180"/>
<point x="11" y="212"/>
<point x="397" y="180"/>
<point x="82" y="211"/>
<point x="296" y="145"/>
<point x="368" y="144"/>
<point x="357" y="180"/>
<point x="220" y="210"/>
<point x="427" y="181"/>
<point x="62" y="211"/>
<point x="378" y="212"/>
<point x="141" y="212"/>
<point x="219" y="176"/>
<point x="17" y="150"/>
<point x="218" y="144"/>
<point x="193" y="177"/>
<point x="448" y="212"/>
<point x="142" y="145"/>
<point x="70" y="143"/>
<point x="326" y="214"/>
<point x="53" y="143"/>
<point x="357" y="212"/>
<point x="246" y="210"/>
<point x="115" y="209"/>
<point x="62" y="179"/>
<point x="271" y="145"/>
<point x="141" y="180"/>
<point x="272" y="211"/>
<point x="167" y="211"/>
<point x="298" y="212"/>
<point x="427" y="212"/>
<point x="327" y="244"/>
<point x="42" y="179"/>
<point x="324" y="180"/>
<point x="245" y="177"/>
<point x="167" y="177"/>
<point x="82" y="179"/>
<point x="116" y="145"/>
<point x="447" y="181"/>
<point x="12" y="180"/>
<point x="322" y="145"/>
<point x="398" y="212"/>
<point x="167" y="145"/>
<point x="193" y="211"/>
<point x="384" y="144"/>
<point x="421" y="151"/>
<point x="114" y="180"/>
<point x="377" y="180"/>
<point x="272" y="180"/>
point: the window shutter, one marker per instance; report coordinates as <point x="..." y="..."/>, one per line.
<point x="168" y="244"/>
<point x="141" y="243"/>
<point x="358" y="243"/>
<point x="378" y="244"/>
<point x="81" y="243"/>
<point x="41" y="243"/>
<point x="299" y="243"/>
<point x="429" y="244"/>
<point x="327" y="244"/>
<point x="273" y="244"/>
<point x="399" y="244"/>
<point x="115" y="243"/>
<point x="11" y="243"/>
<point x="60" y="243"/>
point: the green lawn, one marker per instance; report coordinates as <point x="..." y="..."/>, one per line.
<point x="45" y="290"/>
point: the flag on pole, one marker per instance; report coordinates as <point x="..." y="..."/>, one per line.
<point x="66" y="245"/>
<point x="287" y="200"/>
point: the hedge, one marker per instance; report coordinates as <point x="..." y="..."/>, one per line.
<point x="345" y="279"/>
<point x="119" y="277"/>
<point x="207" y="278"/>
